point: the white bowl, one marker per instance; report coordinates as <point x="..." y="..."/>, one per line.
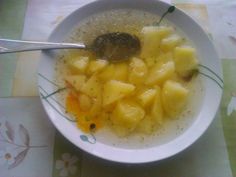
<point x="97" y="145"/>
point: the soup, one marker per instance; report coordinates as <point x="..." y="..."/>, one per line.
<point x="158" y="88"/>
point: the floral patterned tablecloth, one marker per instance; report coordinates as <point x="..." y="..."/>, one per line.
<point x="31" y="147"/>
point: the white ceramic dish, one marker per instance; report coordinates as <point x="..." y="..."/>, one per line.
<point x="89" y="143"/>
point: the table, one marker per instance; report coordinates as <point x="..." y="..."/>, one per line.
<point x="31" y="147"/>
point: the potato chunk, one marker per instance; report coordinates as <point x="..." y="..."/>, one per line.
<point x="146" y="97"/>
<point x="138" y="71"/>
<point x="165" y="57"/>
<point x="152" y="36"/>
<point x="114" y="90"/>
<point x="120" y="72"/>
<point x="150" y="62"/>
<point x="126" y="116"/>
<point x="161" y="59"/>
<point x="169" y="43"/>
<point x="160" y="73"/>
<point x="174" y="97"/>
<point x="76" y="81"/>
<point x="185" y="60"/>
<point x="96" y="65"/>
<point x="96" y="106"/>
<point x="92" y="87"/>
<point x="107" y="73"/>
<point x="79" y="65"/>
<point x="156" y="109"/>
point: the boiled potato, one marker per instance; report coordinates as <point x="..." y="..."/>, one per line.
<point x="92" y="87"/>
<point x="120" y="72"/>
<point x="174" y="97"/>
<point x="151" y="38"/>
<point x="76" y="81"/>
<point x="151" y="61"/>
<point x="146" y="97"/>
<point x="164" y="31"/>
<point x="185" y="60"/>
<point x="96" y="106"/>
<point x="114" y="90"/>
<point x="160" y="72"/>
<point x="126" y="116"/>
<point x="162" y="58"/>
<point x="165" y="57"/>
<point x="169" y="43"/>
<point x="157" y="108"/>
<point x="96" y="65"/>
<point x="138" y="71"/>
<point x="79" y="64"/>
<point x="107" y="73"/>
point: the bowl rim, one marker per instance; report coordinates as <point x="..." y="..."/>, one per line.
<point x="164" y="151"/>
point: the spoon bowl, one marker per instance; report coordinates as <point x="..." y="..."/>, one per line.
<point x="116" y="46"/>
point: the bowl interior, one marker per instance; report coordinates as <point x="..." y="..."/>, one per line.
<point x="126" y="151"/>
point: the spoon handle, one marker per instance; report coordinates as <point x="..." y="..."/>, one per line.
<point x="11" y="46"/>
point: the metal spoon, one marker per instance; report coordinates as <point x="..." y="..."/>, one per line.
<point x="110" y="46"/>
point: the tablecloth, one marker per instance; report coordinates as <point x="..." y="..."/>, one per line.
<point x="31" y="147"/>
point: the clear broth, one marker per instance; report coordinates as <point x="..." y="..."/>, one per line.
<point x="130" y="21"/>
